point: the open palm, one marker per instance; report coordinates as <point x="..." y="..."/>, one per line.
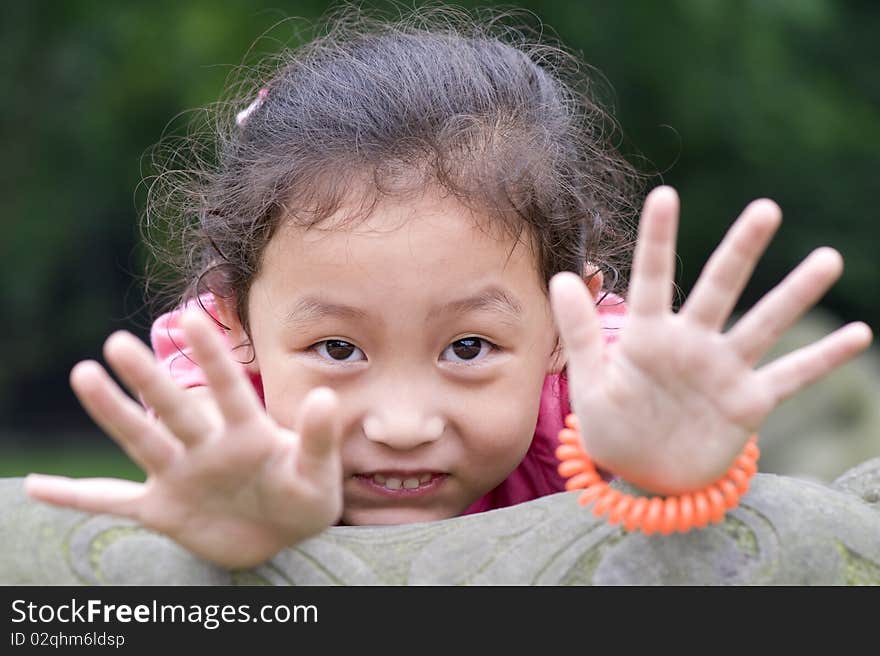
<point x="223" y="478"/>
<point x="670" y="404"/>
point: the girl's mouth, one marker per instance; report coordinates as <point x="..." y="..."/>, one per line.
<point x="398" y="484"/>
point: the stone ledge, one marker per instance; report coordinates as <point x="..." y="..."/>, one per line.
<point x="786" y="531"/>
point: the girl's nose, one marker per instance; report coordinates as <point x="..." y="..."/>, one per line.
<point x="403" y="430"/>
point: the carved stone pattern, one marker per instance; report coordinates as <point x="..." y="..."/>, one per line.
<point x="786" y="531"/>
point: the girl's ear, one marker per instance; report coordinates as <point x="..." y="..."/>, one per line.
<point x="557" y="359"/>
<point x="594" y="280"/>
<point x="239" y="340"/>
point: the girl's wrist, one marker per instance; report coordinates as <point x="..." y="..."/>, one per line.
<point x="636" y="509"/>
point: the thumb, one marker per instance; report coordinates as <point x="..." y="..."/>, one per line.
<point x="318" y="427"/>
<point x="577" y="322"/>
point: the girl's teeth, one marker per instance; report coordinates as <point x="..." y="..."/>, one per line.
<point x="394" y="483"/>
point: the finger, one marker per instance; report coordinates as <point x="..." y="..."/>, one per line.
<point x="759" y="329"/>
<point x="92" y="495"/>
<point x="727" y="271"/>
<point x="653" y="270"/>
<point x="319" y="428"/>
<point x="135" y="364"/>
<point x="577" y="322"/>
<point x="235" y="395"/>
<point x="121" y="417"/>
<point x="791" y="373"/>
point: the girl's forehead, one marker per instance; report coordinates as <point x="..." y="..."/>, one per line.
<point x="402" y="278"/>
<point x="436" y="216"/>
<point x="421" y="238"/>
<point x="433" y="240"/>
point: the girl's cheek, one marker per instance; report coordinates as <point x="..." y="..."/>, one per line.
<point x="493" y="429"/>
<point x="283" y="398"/>
<point x="280" y="413"/>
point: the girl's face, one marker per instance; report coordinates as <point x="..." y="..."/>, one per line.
<point x="435" y="335"/>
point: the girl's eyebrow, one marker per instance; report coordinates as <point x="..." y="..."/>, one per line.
<point x="309" y="309"/>
<point x="490" y="299"/>
<point x="494" y="299"/>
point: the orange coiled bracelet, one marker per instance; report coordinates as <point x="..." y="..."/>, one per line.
<point x="664" y="515"/>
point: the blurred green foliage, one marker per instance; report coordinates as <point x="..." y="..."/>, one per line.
<point x="72" y="459"/>
<point x="728" y="100"/>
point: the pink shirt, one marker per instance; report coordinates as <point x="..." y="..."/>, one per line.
<point x="536" y="476"/>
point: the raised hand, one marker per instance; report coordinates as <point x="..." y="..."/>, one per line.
<point x="670" y="404"/>
<point x="223" y="479"/>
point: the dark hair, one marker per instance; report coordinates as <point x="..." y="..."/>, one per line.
<point x="380" y="106"/>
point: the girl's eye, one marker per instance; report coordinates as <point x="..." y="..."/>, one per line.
<point x="468" y="349"/>
<point x="338" y="351"/>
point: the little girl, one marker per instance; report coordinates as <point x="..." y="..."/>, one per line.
<point x="407" y="246"/>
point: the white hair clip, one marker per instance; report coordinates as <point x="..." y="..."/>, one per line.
<point x="242" y="117"/>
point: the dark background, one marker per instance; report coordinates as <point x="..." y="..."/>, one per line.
<point x="729" y="100"/>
